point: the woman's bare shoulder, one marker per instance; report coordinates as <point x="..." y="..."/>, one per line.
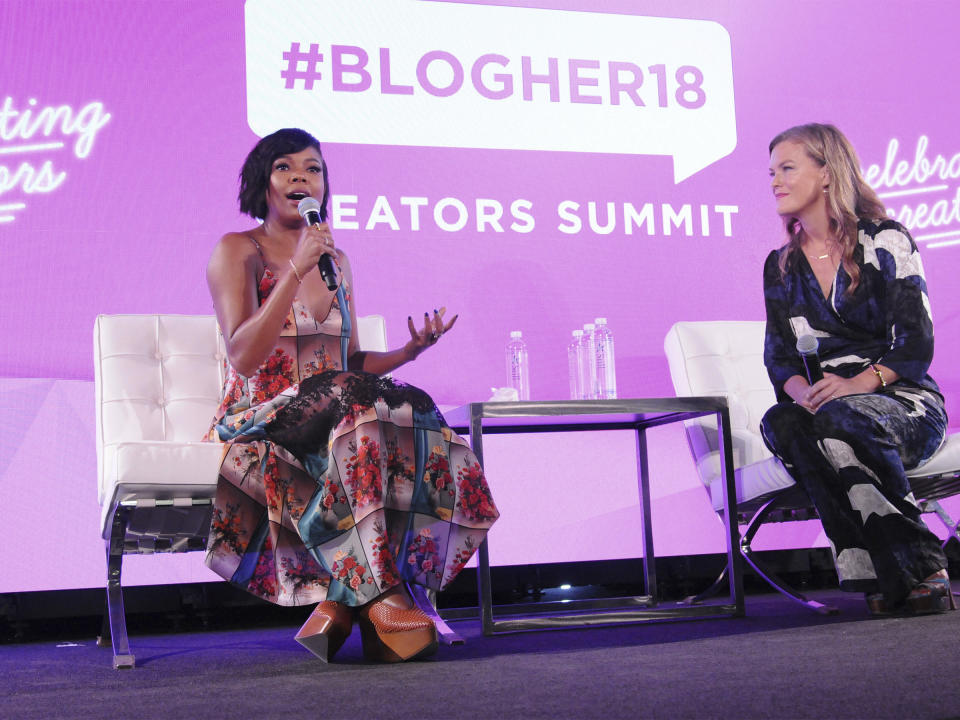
<point x="236" y="244"/>
<point x="234" y="248"/>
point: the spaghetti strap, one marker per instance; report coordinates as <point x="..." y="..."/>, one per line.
<point x="263" y="262"/>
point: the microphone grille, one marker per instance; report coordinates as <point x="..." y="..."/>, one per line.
<point x="308" y="204"/>
<point x="807" y="344"/>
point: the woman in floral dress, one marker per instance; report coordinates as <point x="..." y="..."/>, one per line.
<point x="337" y="485"/>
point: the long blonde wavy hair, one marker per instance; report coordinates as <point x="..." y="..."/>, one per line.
<point x="849" y="197"/>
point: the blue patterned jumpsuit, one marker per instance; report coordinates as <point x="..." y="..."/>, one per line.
<point x="851" y="455"/>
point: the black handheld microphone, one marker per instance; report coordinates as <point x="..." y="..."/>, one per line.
<point x="807" y="346"/>
<point x="309" y="209"/>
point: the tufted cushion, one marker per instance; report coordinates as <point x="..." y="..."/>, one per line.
<point x="158" y="380"/>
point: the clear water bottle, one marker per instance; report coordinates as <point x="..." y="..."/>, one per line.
<point x="589" y="364"/>
<point x="606" y="369"/>
<point x="575" y="365"/>
<point x="518" y="365"/>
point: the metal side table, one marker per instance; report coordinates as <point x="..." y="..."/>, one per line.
<point x="493" y="418"/>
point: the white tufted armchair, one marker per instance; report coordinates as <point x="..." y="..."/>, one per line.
<point x="726" y="358"/>
<point x="157" y="384"/>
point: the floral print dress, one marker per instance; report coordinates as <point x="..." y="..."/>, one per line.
<point x="337" y="485"/>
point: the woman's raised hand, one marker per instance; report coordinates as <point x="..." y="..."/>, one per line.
<point x="433" y="330"/>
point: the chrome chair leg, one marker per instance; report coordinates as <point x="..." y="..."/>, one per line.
<point x="122" y="657"/>
<point x="719" y="584"/>
<point x="768" y="575"/>
<point x="771" y="578"/>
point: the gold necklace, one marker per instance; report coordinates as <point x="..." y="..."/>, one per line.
<point x="825" y="256"/>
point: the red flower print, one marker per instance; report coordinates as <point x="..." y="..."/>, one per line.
<point x="383" y="560"/>
<point x="302" y="572"/>
<point x="462" y="557"/>
<point x="225" y="529"/>
<point x="363" y="473"/>
<point x="267" y="283"/>
<point x="245" y="457"/>
<point x="263" y="583"/>
<point x="351" y="415"/>
<point x="272" y="482"/>
<point x="423" y="556"/>
<point x="437" y="470"/>
<point x="399" y="467"/>
<point x="333" y="493"/>
<point x="275" y="375"/>
<point x="347" y="569"/>
<point x="475" y="501"/>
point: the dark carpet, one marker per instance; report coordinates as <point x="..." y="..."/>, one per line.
<point x="781" y="661"/>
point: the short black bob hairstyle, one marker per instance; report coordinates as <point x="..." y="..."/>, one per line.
<point x="255" y="173"/>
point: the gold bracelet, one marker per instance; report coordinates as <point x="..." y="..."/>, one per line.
<point x="876" y="371"/>
<point x="300" y="279"/>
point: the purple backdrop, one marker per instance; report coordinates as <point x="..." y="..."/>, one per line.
<point x="114" y="205"/>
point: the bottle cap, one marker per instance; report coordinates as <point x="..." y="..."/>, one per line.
<point x="601" y="321"/>
<point x="578" y="333"/>
<point x="589" y="327"/>
<point x="515" y="334"/>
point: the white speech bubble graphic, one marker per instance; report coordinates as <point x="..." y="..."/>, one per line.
<point x="402" y="72"/>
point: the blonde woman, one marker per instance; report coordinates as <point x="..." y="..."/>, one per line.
<point x="851" y="278"/>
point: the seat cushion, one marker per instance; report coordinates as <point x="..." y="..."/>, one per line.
<point x="753" y="481"/>
<point x="946" y="461"/>
<point x="157" y="470"/>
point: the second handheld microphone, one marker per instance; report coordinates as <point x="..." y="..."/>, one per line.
<point x="807" y="346"/>
<point x="309" y="209"/>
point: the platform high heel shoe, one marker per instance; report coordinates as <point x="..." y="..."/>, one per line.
<point x="932" y="595"/>
<point x="327" y="628"/>
<point x="394" y="634"/>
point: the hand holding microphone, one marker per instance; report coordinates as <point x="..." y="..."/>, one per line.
<point x="823" y="388"/>
<point x="310" y="210"/>
<point x="807" y="346"/>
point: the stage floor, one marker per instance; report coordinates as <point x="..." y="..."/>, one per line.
<point x="779" y="661"/>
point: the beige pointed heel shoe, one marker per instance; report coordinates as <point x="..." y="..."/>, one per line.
<point x="326" y="630"/>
